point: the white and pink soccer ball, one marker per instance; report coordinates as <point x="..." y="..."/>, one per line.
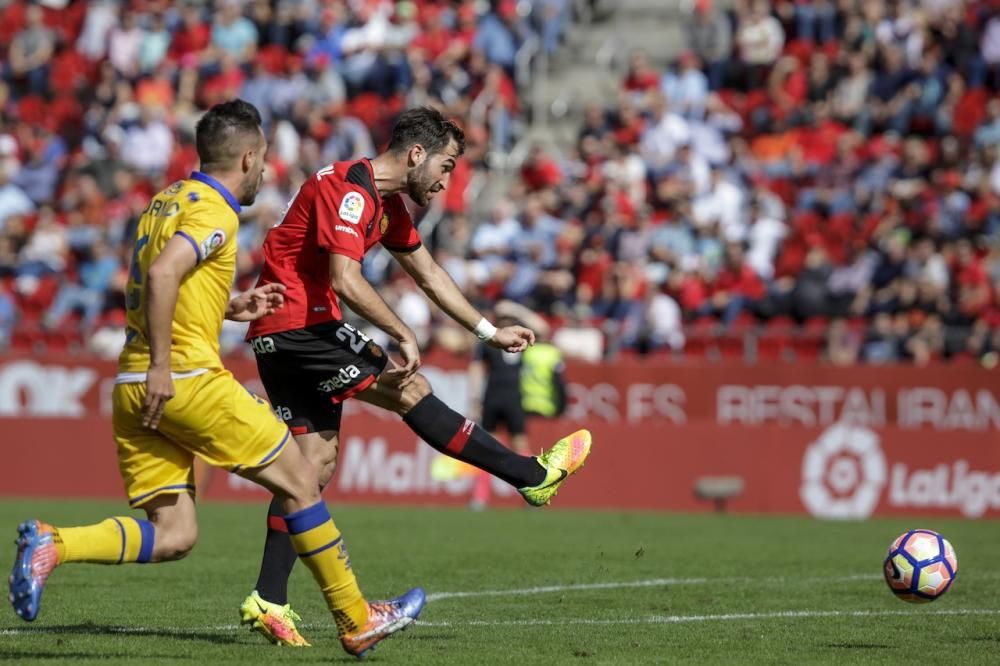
<point x="921" y="566"/>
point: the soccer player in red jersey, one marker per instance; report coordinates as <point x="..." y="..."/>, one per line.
<point x="310" y="361"/>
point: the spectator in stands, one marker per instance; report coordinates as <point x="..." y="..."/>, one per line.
<point x="815" y="20"/>
<point x="88" y="294"/>
<point x="712" y="41"/>
<point x="234" y="34"/>
<point x="737" y="287"/>
<point x="532" y="249"/>
<point x="154" y="45"/>
<point x="38" y="176"/>
<point x="882" y="343"/>
<point x="347" y="138"/>
<point x="857" y="172"/>
<point x="500" y="34"/>
<point x="8" y="315"/>
<point x="149" y="143"/>
<point x="13" y="200"/>
<point x="549" y="18"/>
<point x="577" y="338"/>
<point x="46" y="249"/>
<point x="31" y="52"/>
<point x="664" y="134"/>
<point x="124" y="44"/>
<point x="191" y="39"/>
<point x="101" y="18"/>
<point x="686" y="86"/>
<point x="760" y="38"/>
<point x="843" y="344"/>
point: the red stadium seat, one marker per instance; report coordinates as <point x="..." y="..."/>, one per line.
<point x="970" y="112"/>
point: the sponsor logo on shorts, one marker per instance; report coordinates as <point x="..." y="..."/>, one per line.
<point x="345" y="229"/>
<point x="342" y="379"/>
<point x="283" y="413"/>
<point x="264" y="345"/>
<point x="351" y="207"/>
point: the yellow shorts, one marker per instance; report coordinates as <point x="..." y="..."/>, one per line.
<point x="211" y="416"/>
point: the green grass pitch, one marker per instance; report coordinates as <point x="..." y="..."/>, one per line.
<point x="616" y="588"/>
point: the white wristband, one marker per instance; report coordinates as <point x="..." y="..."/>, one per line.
<point x="485" y="330"/>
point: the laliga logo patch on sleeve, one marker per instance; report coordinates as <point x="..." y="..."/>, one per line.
<point x="351" y="207"/>
<point x="214" y="241"/>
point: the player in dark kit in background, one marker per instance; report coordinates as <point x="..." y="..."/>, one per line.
<point x="310" y="360"/>
<point x="497" y="383"/>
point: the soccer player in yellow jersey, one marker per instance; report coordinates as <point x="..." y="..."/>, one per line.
<point x="173" y="399"/>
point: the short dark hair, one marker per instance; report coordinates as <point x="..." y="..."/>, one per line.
<point x="217" y="134"/>
<point x="428" y="127"/>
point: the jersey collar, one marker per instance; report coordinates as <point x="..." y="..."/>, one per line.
<point x="218" y="187"/>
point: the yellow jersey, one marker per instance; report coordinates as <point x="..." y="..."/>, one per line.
<point x="204" y="212"/>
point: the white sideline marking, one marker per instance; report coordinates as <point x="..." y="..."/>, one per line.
<point x="722" y="617"/>
<point x="652" y="582"/>
<point x="652" y="619"/>
<point x="655" y="619"/>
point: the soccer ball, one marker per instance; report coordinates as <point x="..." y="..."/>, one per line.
<point x="920" y="566"/>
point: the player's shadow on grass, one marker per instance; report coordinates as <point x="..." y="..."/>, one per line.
<point x="90" y="629"/>
<point x="859" y="646"/>
<point x="18" y="655"/>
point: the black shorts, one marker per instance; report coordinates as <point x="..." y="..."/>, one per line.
<point x="503" y="407"/>
<point x="309" y="372"/>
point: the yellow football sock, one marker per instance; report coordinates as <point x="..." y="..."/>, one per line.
<point x="321" y="547"/>
<point x="112" y="541"/>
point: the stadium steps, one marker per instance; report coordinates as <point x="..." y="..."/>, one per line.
<point x="589" y="67"/>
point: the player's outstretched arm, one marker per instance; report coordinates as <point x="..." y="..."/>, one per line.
<point x="163" y="282"/>
<point x="352" y="287"/>
<point x="440" y="288"/>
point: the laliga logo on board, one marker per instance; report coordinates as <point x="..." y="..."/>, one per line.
<point x="843" y="473"/>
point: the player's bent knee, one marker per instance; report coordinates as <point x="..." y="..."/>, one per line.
<point x="302" y="486"/>
<point x="415" y="391"/>
<point x="174" y="542"/>
<point x="326" y="472"/>
<point x="321" y="450"/>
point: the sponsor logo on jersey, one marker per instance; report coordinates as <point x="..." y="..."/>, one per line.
<point x="346" y="229"/>
<point x="351" y="207"/>
<point x="214" y="241"/>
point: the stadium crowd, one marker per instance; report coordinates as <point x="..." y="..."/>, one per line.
<point x="809" y="178"/>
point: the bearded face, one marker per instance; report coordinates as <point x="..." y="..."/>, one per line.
<point x="432" y="174"/>
<point x="253" y="179"/>
<point x="421" y="184"/>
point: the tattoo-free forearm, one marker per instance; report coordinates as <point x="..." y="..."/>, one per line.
<point x="161" y="300"/>
<point x="441" y="288"/>
<point x="364" y="300"/>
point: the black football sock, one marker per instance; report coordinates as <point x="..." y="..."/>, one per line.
<point x="452" y="434"/>
<point x="279" y="558"/>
